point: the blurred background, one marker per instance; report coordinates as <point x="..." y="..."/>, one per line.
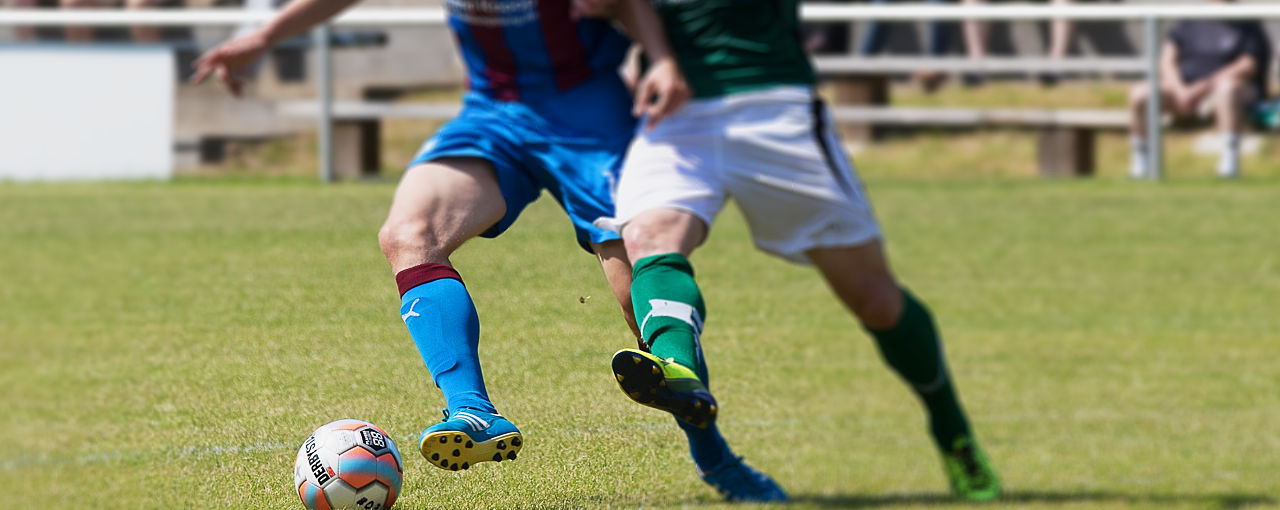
<point x="1046" y="97"/>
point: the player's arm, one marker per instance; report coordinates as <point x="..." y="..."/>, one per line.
<point x="662" y="90"/>
<point x="233" y="56"/>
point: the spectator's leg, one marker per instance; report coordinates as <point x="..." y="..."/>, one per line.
<point x="975" y="41"/>
<point x="1230" y="97"/>
<point x="975" y="34"/>
<point x="141" y="33"/>
<point x="76" y="34"/>
<point x="1059" y="44"/>
<point x="874" y="36"/>
<point x="1060" y="32"/>
<point x="936" y="42"/>
<point x="23" y="33"/>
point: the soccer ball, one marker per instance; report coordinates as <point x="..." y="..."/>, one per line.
<point x="348" y="465"/>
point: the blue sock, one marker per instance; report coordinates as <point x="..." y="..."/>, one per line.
<point x="442" y="320"/>
<point x="707" y="447"/>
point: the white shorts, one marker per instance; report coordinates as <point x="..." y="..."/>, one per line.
<point x="774" y="151"/>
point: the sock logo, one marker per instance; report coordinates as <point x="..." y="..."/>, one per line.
<point x="675" y="310"/>
<point x="405" y="316"/>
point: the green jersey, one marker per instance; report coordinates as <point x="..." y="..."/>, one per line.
<point x="730" y="46"/>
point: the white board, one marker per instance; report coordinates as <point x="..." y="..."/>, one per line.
<point x="80" y="112"/>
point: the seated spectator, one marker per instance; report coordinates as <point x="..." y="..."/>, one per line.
<point x="1208" y="68"/>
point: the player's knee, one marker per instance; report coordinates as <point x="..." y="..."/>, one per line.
<point x="644" y="239"/>
<point x="401" y="238"/>
<point x="880" y="305"/>
<point x="663" y="231"/>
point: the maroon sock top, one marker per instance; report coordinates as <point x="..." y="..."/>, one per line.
<point x="425" y="273"/>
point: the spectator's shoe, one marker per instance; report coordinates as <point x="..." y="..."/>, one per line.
<point x="1138" y="166"/>
<point x="1048" y="80"/>
<point x="737" y="481"/>
<point x="468" y="437"/>
<point x="666" y="385"/>
<point x="930" y="81"/>
<point x="1228" y="166"/>
<point x="970" y="471"/>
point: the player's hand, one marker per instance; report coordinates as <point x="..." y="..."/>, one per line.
<point x="228" y="60"/>
<point x="661" y="92"/>
<point x="592" y="9"/>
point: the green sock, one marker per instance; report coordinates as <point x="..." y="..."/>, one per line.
<point x="914" y="351"/>
<point x="669" y="307"/>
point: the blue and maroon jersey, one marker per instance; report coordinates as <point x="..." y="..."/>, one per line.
<point x="523" y="50"/>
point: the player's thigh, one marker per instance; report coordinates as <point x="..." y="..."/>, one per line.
<point x="793" y="182"/>
<point x="438" y="206"/>
<point x="670" y="190"/>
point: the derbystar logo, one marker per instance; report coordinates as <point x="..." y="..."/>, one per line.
<point x="322" y="473"/>
<point x="373" y="439"/>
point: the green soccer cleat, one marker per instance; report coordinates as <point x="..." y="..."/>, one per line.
<point x="972" y="476"/>
<point x="666" y="385"/>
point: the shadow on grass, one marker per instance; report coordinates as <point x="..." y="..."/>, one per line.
<point x="1224" y="501"/>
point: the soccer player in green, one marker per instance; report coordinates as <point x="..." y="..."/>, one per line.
<point x="756" y="131"/>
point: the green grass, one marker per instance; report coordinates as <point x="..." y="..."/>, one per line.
<point x="171" y="345"/>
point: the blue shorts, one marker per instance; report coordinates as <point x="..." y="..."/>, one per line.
<point x="578" y="167"/>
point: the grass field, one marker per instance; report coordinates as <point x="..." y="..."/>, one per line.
<point x="171" y="345"/>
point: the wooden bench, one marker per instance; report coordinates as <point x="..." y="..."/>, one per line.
<point x="1065" y="144"/>
<point x="357" y="129"/>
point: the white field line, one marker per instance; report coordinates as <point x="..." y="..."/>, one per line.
<point x="45" y="460"/>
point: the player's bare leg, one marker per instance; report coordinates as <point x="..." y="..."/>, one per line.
<point x="438" y="207"/>
<point x="904" y="331"/>
<point x="617" y="271"/>
<point x="673" y="376"/>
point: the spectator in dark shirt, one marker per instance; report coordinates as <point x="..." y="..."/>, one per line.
<point x="1208" y="68"/>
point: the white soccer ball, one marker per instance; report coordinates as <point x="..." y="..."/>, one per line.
<point x="348" y="465"/>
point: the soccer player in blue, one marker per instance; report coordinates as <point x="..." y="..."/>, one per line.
<point x="547" y="110"/>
